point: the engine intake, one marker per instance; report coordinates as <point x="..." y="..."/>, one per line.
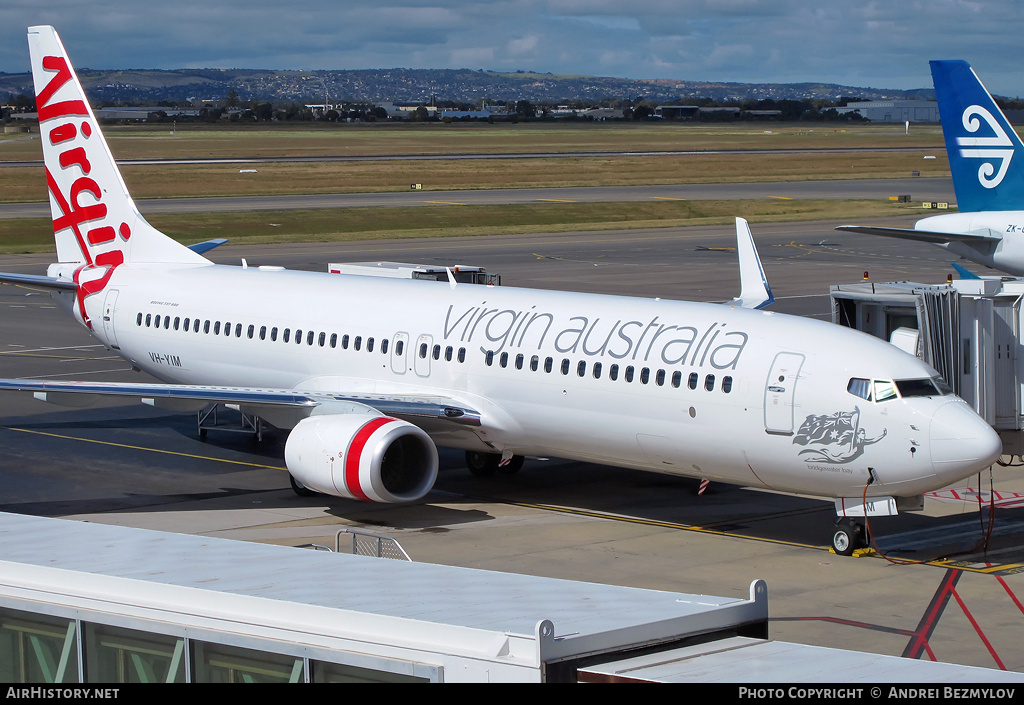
<point x="375" y="459"/>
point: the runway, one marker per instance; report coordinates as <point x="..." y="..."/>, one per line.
<point x="919" y="189"/>
<point x="137" y="466"/>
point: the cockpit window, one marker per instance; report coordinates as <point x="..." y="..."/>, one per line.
<point x="922" y="387"/>
<point x="944" y="389"/>
<point x="884" y="390"/>
<point x="860" y="388"/>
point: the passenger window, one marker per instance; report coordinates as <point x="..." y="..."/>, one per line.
<point x="287" y="335"/>
<point x="383" y="346"/>
<point x="581" y="368"/>
<point x="251" y="331"/>
<point x="322" y="340"/>
<point x="519" y="361"/>
<point x="206" y="327"/>
<point x="660" y="378"/>
<point x="709" y="383"/>
<point x="548" y="363"/>
<point x="358" y="344"/>
<point x="503" y="360"/>
<point x="884" y="390"/>
<point x="692" y="381"/>
<point x="613" y="372"/>
<point x="677" y="379"/>
<point x="726" y="384"/>
<point x="399" y="347"/>
<point x="177" y="321"/>
<point x="565" y="366"/>
<point x="298" y="336"/>
<point x="187" y="324"/>
<point x="597" y="370"/>
<point x="437" y="352"/>
<point x="369" y="345"/>
<point x="195" y="326"/>
<point x="167" y="322"/>
<point x="629" y="373"/>
<point x="216" y="327"/>
<point x="156" y="321"/>
<point x="448" y="351"/>
<point x="344" y="342"/>
<point x="645" y="375"/>
<point x="263" y="332"/>
<point x="534" y="363"/>
<point x="149" y="319"/>
<point x="334" y="340"/>
<point x="309" y="337"/>
<point x="423" y="353"/>
<point x="462" y="354"/>
<point x="488" y="359"/>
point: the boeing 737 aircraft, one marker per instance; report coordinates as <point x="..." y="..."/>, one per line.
<point x="370" y="375"/>
<point x="988" y="180"/>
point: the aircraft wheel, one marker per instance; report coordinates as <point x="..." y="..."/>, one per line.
<point x="514" y="465"/>
<point x="848" y="537"/>
<point x="482" y="464"/>
<point x="300" y="489"/>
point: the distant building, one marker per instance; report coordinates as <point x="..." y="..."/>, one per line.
<point x="406" y="111"/>
<point x="895" y="110"/>
<point x="143" y="113"/>
<point x="486" y="112"/>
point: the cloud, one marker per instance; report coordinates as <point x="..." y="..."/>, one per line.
<point x="871" y="43"/>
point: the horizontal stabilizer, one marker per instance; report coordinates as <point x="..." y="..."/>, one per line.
<point x="203" y="247"/>
<point x="976" y="238"/>
<point x="754" y="289"/>
<point x="964" y="273"/>
<point x="36" y="280"/>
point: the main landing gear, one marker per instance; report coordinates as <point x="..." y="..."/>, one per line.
<point x="486" y="464"/>
<point x="849" y="535"/>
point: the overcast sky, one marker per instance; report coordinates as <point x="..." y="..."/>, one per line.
<point x="883" y="44"/>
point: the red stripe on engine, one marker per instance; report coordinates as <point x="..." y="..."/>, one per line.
<point x="355" y="452"/>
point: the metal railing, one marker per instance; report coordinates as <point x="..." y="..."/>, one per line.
<point x="364" y="543"/>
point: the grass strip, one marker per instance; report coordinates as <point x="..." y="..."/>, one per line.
<point x="338" y="225"/>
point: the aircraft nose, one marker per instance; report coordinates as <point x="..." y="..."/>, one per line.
<point x="962" y="443"/>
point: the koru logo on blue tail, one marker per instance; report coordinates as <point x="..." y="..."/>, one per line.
<point x="992" y="150"/>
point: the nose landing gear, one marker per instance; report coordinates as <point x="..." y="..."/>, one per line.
<point x="849" y="535"/>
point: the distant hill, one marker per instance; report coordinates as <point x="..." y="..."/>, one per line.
<point x="145" y="86"/>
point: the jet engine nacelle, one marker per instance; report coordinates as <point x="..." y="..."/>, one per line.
<point x="372" y="458"/>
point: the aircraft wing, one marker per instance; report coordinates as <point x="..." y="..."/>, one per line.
<point x="193" y="397"/>
<point x="985" y="237"/>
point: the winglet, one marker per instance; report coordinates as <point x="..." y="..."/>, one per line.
<point x="754" y="289"/>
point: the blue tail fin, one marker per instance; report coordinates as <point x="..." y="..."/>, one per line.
<point x="985" y="154"/>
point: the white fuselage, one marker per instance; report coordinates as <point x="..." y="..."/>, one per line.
<point x="701" y="390"/>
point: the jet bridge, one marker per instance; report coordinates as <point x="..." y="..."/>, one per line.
<point x="969" y="330"/>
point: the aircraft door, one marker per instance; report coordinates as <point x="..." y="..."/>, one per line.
<point x="109" y="304"/>
<point x="779" y="393"/>
<point x="399" y="351"/>
<point x="421" y="361"/>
